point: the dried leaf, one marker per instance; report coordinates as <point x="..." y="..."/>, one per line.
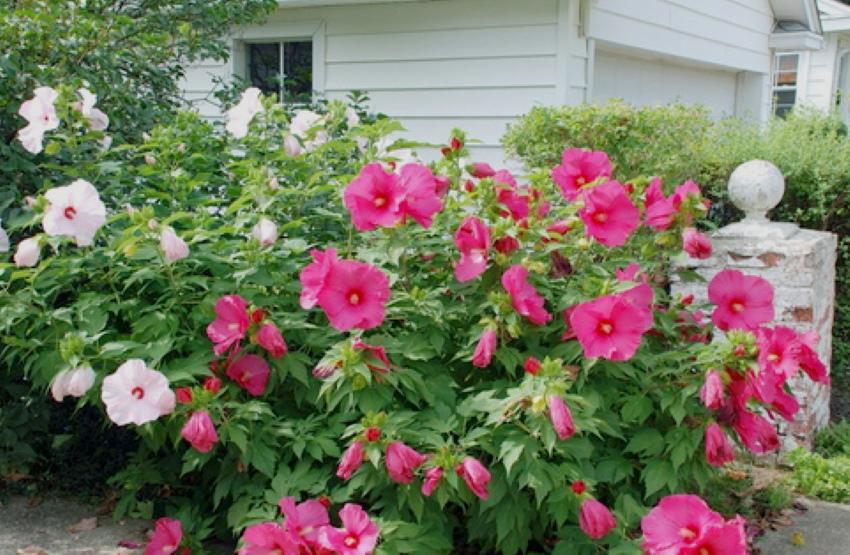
<point x="31" y="550"/>
<point x="83" y="525"/>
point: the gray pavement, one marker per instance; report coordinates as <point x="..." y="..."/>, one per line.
<point x="822" y="530"/>
<point x="43" y="529"/>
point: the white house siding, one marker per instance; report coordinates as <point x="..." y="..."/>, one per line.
<point x="473" y="64"/>
<point x="647" y="82"/>
<point x="822" y="71"/>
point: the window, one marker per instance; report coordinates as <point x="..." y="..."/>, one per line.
<point x="284" y="69"/>
<point x="785" y="82"/>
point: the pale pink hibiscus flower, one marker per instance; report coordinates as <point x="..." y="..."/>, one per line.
<point x="173" y="247"/>
<point x="265" y="232"/>
<point x="27" y="253"/>
<point x="524" y="298"/>
<point x="611" y="326"/>
<point x="240" y="115"/>
<point x="136" y="394"/>
<point x="200" y="431"/>
<point x="608" y="214"/>
<point x="743" y="302"/>
<point x="96" y="119"/>
<point x="251" y="373"/>
<point x="375" y="198"/>
<point x="231" y="322"/>
<point x="472" y="238"/>
<point x="579" y="168"/>
<point x="41" y="117"/>
<point x="73" y="382"/>
<point x="75" y="210"/>
<point x="166" y="538"/>
<point x="401" y="461"/>
<point x="358" y="535"/>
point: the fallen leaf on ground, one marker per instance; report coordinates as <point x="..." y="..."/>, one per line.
<point x="83" y="525"/>
<point x="31" y="550"/>
<point x="797" y="539"/>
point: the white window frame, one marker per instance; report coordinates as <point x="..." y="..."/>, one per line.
<point x="313" y="31"/>
<point x="776" y="87"/>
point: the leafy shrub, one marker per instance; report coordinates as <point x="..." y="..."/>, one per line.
<point x="821" y="477"/>
<point x="556" y="414"/>
<point x="833" y="440"/>
<point x="676" y="132"/>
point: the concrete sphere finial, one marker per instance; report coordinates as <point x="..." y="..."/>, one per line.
<point x="756" y="187"/>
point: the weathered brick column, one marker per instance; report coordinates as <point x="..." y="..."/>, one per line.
<point x="800" y="263"/>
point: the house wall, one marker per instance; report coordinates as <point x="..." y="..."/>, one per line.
<point x="820" y="77"/>
<point x="479" y="64"/>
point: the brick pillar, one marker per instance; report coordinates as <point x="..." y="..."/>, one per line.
<point x="799" y="263"/>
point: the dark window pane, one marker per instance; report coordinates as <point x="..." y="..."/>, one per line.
<point x="298" y="70"/>
<point x="264" y="67"/>
<point x="785" y="97"/>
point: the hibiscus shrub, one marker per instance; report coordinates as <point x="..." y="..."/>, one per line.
<point x="299" y="317"/>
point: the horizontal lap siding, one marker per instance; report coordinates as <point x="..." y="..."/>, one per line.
<point x="720" y="32"/>
<point x="822" y="75"/>
<point x="473" y="64"/>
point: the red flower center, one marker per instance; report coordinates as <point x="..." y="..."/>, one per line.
<point x="773" y="357"/>
<point x="580" y="180"/>
<point x="137" y="392"/>
<point x="380" y="201"/>
<point x="600" y="217"/>
<point x="354" y="297"/>
<point x="351" y="541"/>
<point x="737" y="306"/>
<point x="70" y="212"/>
<point x="687" y="533"/>
<point x="605" y="327"/>
<point x="46" y="117"/>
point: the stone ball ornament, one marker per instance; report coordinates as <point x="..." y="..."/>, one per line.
<point x="756" y="187"/>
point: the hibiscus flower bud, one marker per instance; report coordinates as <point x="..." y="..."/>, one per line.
<point x="469" y="186"/>
<point x="212" y="384"/>
<point x="446" y="151"/>
<point x="456" y="143"/>
<point x="532" y="366"/>
<point x="484" y="350"/>
<point x="150" y="160"/>
<point x="476" y="476"/>
<point x="562" y="419"/>
<point x="432" y="480"/>
<point x="172" y="245"/>
<point x="200" y="432"/>
<point x="325" y="501"/>
<point x="711" y="393"/>
<point x="595" y="519"/>
<point x="578" y="487"/>
<point x="271" y="340"/>
<point x="373" y="434"/>
<point x="481" y="170"/>
<point x="401" y="461"/>
<point x="688" y="299"/>
<point x="184" y="395"/>
<point x="74" y="382"/>
<point x="27" y="253"/>
<point x="718" y="449"/>
<point x="265" y="232"/>
<point x="696" y="244"/>
<point x="351" y="460"/>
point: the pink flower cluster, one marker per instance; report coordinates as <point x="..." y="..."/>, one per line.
<point x="685" y="525"/>
<point x="306" y="530"/>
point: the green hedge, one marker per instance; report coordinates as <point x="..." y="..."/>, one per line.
<point x="811" y="148"/>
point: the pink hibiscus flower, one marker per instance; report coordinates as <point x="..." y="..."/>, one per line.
<point x="432" y="479"/>
<point x="136" y="394"/>
<point x="660" y="210"/>
<point x="476" y="476"/>
<point x="611" y="326"/>
<point x="743" y="302"/>
<point x="718" y="449"/>
<point x="756" y="433"/>
<point x="696" y="244"/>
<point x="508" y="195"/>
<point x="268" y="538"/>
<point x="401" y="461"/>
<point x="579" y="168"/>
<point x="354" y="295"/>
<point x="472" y="238"/>
<point x="375" y="356"/>
<point x="270" y="339"/>
<point x="314" y="276"/>
<point x="524" y="298"/>
<point x="561" y="417"/>
<point x="711" y="392"/>
<point x="351" y="460"/>
<point x="608" y="214"/>
<point x="374" y="198"/>
<point x="779" y="351"/>
<point x="231" y="323"/>
<point x="421" y="198"/>
<point x="166" y="538"/>
<point x="685" y="524"/>
<point x="200" y="432"/>
<point x="481" y="170"/>
<point x="358" y="535"/>
<point x="485" y="348"/>
<point x="304" y="521"/>
<point x="251" y="373"/>
<point x="75" y="210"/>
<point x="595" y="519"/>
